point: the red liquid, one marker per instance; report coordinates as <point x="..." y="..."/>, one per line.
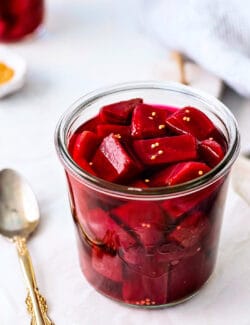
<point x="146" y="253"/>
<point x="19" y="18"/>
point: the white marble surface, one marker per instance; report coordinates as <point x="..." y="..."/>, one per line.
<point x="90" y="44"/>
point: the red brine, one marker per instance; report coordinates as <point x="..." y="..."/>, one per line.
<point x="19" y="18"/>
<point x="147" y="253"/>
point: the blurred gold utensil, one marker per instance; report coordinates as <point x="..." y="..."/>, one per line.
<point x="19" y="217"/>
<point x="178" y="57"/>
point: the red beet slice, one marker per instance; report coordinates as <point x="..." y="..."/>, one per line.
<point x="24" y="22"/>
<point x="3" y="29"/>
<point x="143" y="260"/>
<point x="88" y="128"/>
<point x="119" y="113"/>
<point x="186" y="277"/>
<point x="211" y="240"/>
<point x="107" y="265"/>
<point x="112" y="163"/>
<point x="84" y="254"/>
<point x="85" y="145"/>
<point x="90" y="125"/>
<point x="191" y="120"/>
<point x="101" y="283"/>
<point x="191" y="230"/>
<point x="211" y="152"/>
<point x="169" y="109"/>
<point x="179" y="173"/>
<point x="148" y="122"/>
<point x="142" y="290"/>
<point x="23" y="6"/>
<point x="132" y="255"/>
<point x="145" y="219"/>
<point x="170" y="253"/>
<point x="139" y="183"/>
<point x="85" y="166"/>
<point x="176" y="207"/>
<point x="109" y="287"/>
<point x="119" y="131"/>
<point x="218" y="136"/>
<point x="106" y="230"/>
<point x="166" y="150"/>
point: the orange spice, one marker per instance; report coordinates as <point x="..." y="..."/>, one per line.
<point x="6" y="73"/>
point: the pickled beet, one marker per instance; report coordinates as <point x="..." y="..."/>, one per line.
<point x="112" y="162"/>
<point x="166" y="150"/>
<point x="85" y="145"/>
<point x="143" y="290"/>
<point x="179" y="173"/>
<point x="177" y="207"/>
<point x="103" y="228"/>
<point x="143" y="261"/>
<point x="191" y="230"/>
<point x="147" y="252"/>
<point x="104" y="130"/>
<point x="147" y="122"/>
<point x="137" y="217"/>
<point x="211" y="152"/>
<point x="108" y="265"/>
<point x="119" y="113"/>
<point x="19" y="18"/>
<point x="185" y="276"/>
<point x="190" y="120"/>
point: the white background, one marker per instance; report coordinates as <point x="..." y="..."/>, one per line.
<point x="90" y="44"/>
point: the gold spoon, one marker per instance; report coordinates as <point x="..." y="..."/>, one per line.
<point x="19" y="217"/>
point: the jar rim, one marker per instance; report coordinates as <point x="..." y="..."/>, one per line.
<point x="154" y="192"/>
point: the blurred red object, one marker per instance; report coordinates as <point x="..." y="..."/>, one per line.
<point x="19" y="18"/>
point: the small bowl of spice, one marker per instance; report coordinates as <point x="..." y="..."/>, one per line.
<point x="12" y="72"/>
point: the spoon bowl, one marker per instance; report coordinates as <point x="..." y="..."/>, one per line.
<point x="19" y="217"/>
<point x="19" y="212"/>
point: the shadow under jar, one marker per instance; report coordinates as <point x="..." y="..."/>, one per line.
<point x="20" y="18"/>
<point x="149" y="247"/>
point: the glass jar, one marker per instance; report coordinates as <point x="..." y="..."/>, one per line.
<point x="148" y="247"/>
<point x="19" y="18"/>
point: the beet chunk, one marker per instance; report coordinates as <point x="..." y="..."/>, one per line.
<point x="85" y="145"/>
<point x="191" y="230"/>
<point x="143" y="290"/>
<point x="112" y="163"/>
<point x="191" y="120"/>
<point x="166" y="150"/>
<point x="170" y="252"/>
<point x="186" y="276"/>
<point x="119" y="131"/>
<point x="179" y="173"/>
<point x="148" y="122"/>
<point x="107" y="265"/>
<point x="145" y="219"/>
<point x="105" y="229"/>
<point x="177" y="207"/>
<point x="144" y="260"/>
<point x="211" y="152"/>
<point x="119" y="113"/>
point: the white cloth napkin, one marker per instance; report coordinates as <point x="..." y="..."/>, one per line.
<point x="214" y="33"/>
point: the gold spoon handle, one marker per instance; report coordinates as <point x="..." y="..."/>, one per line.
<point x="36" y="303"/>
